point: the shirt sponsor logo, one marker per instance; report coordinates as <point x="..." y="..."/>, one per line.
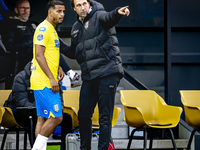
<point x="42" y="29"/>
<point x="45" y="112"/>
<point x="75" y="35"/>
<point x="57" y="44"/>
<point x="21" y="27"/>
<point x="40" y="37"/>
<point x="86" y="24"/>
<point x="34" y="68"/>
<point x="76" y="31"/>
<point x="56" y="108"/>
<point x="111" y="86"/>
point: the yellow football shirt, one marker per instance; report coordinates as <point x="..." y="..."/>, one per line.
<point x="45" y="35"/>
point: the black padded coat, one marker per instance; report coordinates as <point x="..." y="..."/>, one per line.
<point x="94" y="44"/>
<point x="20" y="95"/>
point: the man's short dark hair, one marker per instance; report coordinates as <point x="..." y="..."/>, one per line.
<point x="18" y="2"/>
<point x="53" y="3"/>
<point x="72" y="2"/>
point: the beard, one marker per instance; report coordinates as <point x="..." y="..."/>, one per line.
<point x="56" y="21"/>
<point x="24" y="19"/>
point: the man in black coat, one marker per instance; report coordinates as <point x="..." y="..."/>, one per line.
<point x="21" y="95"/>
<point x="18" y="34"/>
<point x="95" y="47"/>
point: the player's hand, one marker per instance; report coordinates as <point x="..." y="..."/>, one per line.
<point x="60" y="74"/>
<point x="54" y="85"/>
<point x="124" y="11"/>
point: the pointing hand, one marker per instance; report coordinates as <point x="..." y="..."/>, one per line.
<point x="124" y="11"/>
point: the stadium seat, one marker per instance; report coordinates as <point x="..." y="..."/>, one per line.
<point x="8" y="121"/>
<point x="191" y="102"/>
<point x="71" y="106"/>
<point x="145" y="110"/>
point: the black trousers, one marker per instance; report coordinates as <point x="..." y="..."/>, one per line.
<point x="66" y="127"/>
<point x="101" y="91"/>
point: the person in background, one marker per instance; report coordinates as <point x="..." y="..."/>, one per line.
<point x="18" y="35"/>
<point x="95" y="46"/>
<point x="17" y="38"/>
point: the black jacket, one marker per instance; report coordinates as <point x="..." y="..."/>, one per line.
<point x="94" y="44"/>
<point x="17" y="36"/>
<point x="20" y="95"/>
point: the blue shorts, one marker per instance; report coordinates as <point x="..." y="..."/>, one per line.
<point x="48" y="104"/>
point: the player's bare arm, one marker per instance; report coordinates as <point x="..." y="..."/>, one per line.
<point x="39" y="55"/>
<point x="60" y="74"/>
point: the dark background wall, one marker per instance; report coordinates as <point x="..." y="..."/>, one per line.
<point x="141" y="37"/>
<point x="184" y="13"/>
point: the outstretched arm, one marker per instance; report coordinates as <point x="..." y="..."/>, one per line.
<point x="110" y="19"/>
<point x="66" y="50"/>
<point x="64" y="64"/>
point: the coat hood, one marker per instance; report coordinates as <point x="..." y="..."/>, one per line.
<point x="96" y="5"/>
<point x="27" y="69"/>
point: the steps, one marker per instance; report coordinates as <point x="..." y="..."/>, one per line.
<point x="121" y="144"/>
<point x="10" y="143"/>
<point x="120" y="130"/>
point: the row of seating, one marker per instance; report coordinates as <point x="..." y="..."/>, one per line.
<point x="144" y="110"/>
<point x="71" y="106"/>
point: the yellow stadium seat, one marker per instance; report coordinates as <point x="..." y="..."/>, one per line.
<point x="191" y="102"/>
<point x="4" y="96"/>
<point x="146" y="110"/>
<point x="8" y="121"/>
<point x="95" y="117"/>
<point x="71" y="106"/>
<point x="2" y="110"/>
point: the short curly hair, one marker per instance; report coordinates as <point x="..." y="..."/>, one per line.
<point x="52" y="3"/>
<point x="72" y="2"/>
